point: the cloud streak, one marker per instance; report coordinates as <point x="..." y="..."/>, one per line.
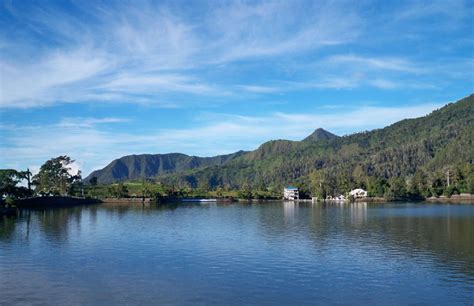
<point x="149" y="53"/>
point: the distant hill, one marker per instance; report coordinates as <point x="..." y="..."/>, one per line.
<point x="132" y="167"/>
<point x="432" y="143"/>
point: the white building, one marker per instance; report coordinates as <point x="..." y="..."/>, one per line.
<point x="358" y="193"/>
<point x="291" y="193"/>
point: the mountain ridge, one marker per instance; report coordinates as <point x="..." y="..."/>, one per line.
<point x="138" y="166"/>
<point x="439" y="139"/>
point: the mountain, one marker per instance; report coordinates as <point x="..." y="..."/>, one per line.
<point x="132" y="167"/>
<point x="430" y="144"/>
<point x="320" y="134"/>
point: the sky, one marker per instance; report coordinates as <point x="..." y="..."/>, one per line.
<point x="97" y="80"/>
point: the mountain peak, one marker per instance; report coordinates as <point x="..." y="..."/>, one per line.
<point x="320" y="134"/>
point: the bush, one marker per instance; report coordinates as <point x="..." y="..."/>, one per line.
<point x="9" y="202"/>
<point x="449" y="191"/>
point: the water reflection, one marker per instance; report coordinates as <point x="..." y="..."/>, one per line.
<point x="289" y="208"/>
<point x="280" y="242"/>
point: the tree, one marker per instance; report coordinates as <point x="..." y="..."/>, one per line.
<point x="245" y="192"/>
<point x="419" y="185"/>
<point x="318" y="184"/>
<point x="146" y="188"/>
<point x="396" y="189"/>
<point x="27" y="175"/>
<point x="118" y="191"/>
<point x="9" y="179"/>
<point x="219" y="192"/>
<point x="376" y="187"/>
<point x="54" y="177"/>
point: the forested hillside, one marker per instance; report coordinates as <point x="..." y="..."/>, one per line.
<point x="411" y="152"/>
<point x="432" y="145"/>
<point x="132" y="167"/>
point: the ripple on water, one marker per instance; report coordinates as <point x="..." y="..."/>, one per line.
<point x="271" y="253"/>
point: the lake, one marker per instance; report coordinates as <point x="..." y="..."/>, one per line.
<point x="234" y="254"/>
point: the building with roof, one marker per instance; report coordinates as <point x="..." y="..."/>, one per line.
<point x="358" y="193"/>
<point x="291" y="193"/>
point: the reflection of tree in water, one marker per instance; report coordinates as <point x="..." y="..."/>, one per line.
<point x="447" y="238"/>
<point x="122" y="210"/>
<point x="55" y="223"/>
<point x="7" y="228"/>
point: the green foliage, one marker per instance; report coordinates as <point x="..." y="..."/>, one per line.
<point x="319" y="184"/>
<point x="376" y="187"/>
<point x="119" y="190"/>
<point x="148" y="166"/>
<point x="396" y="189"/>
<point x="245" y="193"/>
<point x="54" y="177"/>
<point x="9" y="180"/>
<point x="9" y="201"/>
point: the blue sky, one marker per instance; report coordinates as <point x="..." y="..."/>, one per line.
<point x="97" y="80"/>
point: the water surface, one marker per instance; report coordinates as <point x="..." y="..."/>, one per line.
<point x="270" y="253"/>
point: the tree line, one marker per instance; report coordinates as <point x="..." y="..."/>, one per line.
<point x="55" y="178"/>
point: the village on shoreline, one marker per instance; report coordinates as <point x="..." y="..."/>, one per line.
<point x="9" y="206"/>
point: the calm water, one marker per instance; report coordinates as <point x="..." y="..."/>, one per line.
<point x="273" y="253"/>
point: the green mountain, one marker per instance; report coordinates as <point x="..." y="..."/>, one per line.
<point x="431" y="144"/>
<point x="133" y="167"/>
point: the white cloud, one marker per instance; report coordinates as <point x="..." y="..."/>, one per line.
<point x="149" y="53"/>
<point x="274" y="28"/>
<point x="156" y="83"/>
<point x="53" y="78"/>
<point x="88" y="122"/>
<point x="452" y="10"/>
<point x="122" y="53"/>
<point x="259" y="89"/>
<point x="383" y="63"/>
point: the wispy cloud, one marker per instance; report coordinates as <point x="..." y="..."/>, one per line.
<point x="259" y="89"/>
<point x="279" y="27"/>
<point x="436" y="8"/>
<point x="88" y="122"/>
<point x="383" y="63"/>
<point x="59" y="76"/>
<point x="119" y="53"/>
<point x="150" y="52"/>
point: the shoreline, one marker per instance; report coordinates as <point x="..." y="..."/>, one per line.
<point x="54" y="201"/>
<point x="64" y="201"/>
<point x="465" y="198"/>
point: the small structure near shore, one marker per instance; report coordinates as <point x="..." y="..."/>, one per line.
<point x="291" y="193"/>
<point x="358" y="193"/>
<point x="339" y="198"/>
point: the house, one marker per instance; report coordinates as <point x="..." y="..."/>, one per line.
<point x="291" y="193"/>
<point x="358" y="193"/>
